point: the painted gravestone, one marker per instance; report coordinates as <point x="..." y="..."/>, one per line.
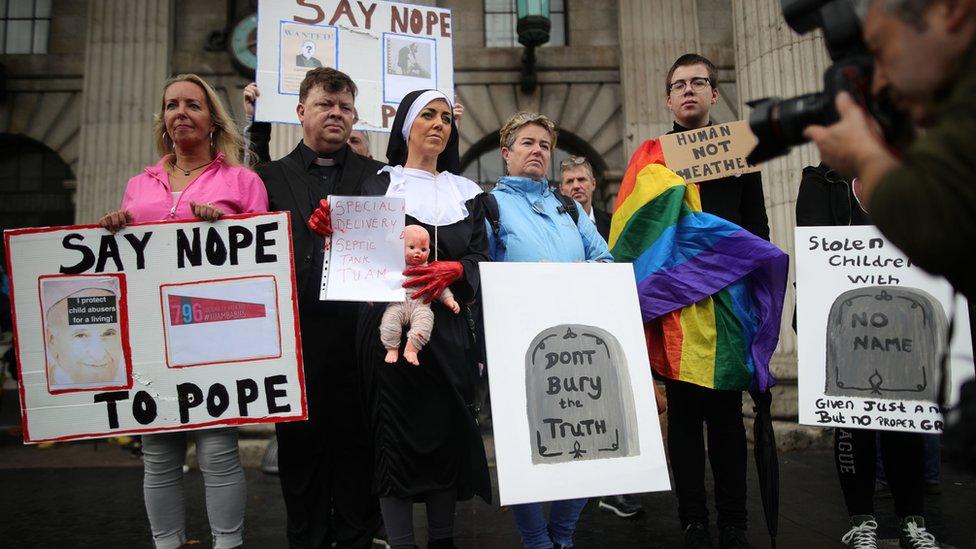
<point x="580" y="405"/>
<point x="884" y="342"/>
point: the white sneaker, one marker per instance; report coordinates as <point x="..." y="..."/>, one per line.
<point x="862" y="534"/>
<point x="915" y="536"/>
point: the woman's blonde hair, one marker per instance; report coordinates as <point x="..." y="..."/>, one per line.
<point x="521" y="119"/>
<point x="226" y="138"/>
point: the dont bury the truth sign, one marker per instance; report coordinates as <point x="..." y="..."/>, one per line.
<point x="161" y="326"/>
<point x="571" y="390"/>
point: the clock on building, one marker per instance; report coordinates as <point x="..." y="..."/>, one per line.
<point x="244" y="45"/>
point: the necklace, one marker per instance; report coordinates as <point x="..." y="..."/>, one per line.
<point x="186" y="172"/>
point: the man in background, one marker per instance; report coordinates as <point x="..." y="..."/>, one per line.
<point x="577" y="182"/>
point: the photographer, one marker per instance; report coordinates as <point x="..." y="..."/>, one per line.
<point x="924" y="202"/>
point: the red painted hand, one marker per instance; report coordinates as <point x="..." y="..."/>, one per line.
<point x="433" y="278"/>
<point x="321" y="220"/>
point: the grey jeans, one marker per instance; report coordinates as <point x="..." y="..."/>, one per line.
<point x="220" y="462"/>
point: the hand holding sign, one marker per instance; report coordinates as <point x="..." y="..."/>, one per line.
<point x="115" y="221"/>
<point x="321" y="220"/>
<point x="206" y="212"/>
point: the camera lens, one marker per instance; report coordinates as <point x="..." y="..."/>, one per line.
<point x="779" y="123"/>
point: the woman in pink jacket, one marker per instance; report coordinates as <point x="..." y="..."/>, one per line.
<point x="199" y="176"/>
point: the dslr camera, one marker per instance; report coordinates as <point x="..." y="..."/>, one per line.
<point x="779" y="123"/>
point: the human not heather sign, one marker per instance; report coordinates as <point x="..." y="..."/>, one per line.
<point x="711" y="152"/>
<point x="872" y="332"/>
<point x="388" y="49"/>
<point x="159" y="327"/>
<point x="572" y="394"/>
<point x="365" y="259"/>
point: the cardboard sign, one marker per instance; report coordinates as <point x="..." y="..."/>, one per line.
<point x="710" y="153"/>
<point x="159" y="327"/>
<point x="572" y="395"/>
<point x="871" y="331"/>
<point x="388" y="48"/>
<point x="366" y="254"/>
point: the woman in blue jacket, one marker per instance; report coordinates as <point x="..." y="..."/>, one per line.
<point x="535" y="225"/>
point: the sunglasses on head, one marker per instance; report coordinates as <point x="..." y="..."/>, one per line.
<point x="572" y="161"/>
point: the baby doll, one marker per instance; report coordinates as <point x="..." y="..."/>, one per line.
<point x="412" y="312"/>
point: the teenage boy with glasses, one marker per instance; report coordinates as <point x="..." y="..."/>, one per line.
<point x="691" y="93"/>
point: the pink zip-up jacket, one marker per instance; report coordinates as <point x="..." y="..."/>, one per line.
<point x="233" y="189"/>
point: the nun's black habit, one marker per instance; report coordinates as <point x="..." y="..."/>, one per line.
<point x="426" y="438"/>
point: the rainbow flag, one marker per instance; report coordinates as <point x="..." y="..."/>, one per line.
<point x="711" y="293"/>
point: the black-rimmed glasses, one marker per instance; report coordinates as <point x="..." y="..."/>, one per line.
<point x="697" y="84"/>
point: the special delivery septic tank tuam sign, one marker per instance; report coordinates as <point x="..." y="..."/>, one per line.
<point x="159" y="327"/>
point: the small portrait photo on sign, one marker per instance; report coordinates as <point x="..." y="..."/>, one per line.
<point x="219" y="321"/>
<point x="580" y="405"/>
<point x="410" y="63"/>
<point x="85" y="333"/>
<point x="302" y="48"/>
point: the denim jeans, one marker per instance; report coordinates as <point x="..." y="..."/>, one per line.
<point x="220" y="462"/>
<point x="530" y="518"/>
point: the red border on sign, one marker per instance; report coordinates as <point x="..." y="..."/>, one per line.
<point x="123" y="306"/>
<point x="164" y="308"/>
<point x="189" y="426"/>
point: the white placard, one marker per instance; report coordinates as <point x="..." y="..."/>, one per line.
<point x="572" y="397"/>
<point x="365" y="259"/>
<point x="388" y="48"/>
<point x="159" y="327"/>
<point x="871" y="330"/>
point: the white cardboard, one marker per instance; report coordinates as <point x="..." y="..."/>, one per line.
<point x="245" y="338"/>
<point x="366" y="250"/>
<point x="387" y="48"/>
<point x="821" y="277"/>
<point x="520" y="301"/>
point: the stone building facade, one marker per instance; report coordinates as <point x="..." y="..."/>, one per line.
<point x="75" y="121"/>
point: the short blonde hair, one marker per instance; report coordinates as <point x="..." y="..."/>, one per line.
<point x="226" y="138"/>
<point x="521" y="119"/>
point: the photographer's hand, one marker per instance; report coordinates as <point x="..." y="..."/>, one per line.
<point x="854" y="145"/>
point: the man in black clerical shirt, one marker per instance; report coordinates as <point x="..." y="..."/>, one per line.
<point x="325" y="463"/>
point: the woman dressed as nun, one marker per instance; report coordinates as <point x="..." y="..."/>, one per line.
<point x="427" y="444"/>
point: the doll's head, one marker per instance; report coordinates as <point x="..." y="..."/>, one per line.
<point x="416" y="244"/>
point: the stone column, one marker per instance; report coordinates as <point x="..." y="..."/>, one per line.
<point x="127" y="51"/>
<point x="653" y="33"/>
<point x="284" y="139"/>
<point x="772" y="60"/>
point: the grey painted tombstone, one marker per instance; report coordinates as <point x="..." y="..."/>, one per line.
<point x="885" y="342"/>
<point x="580" y="402"/>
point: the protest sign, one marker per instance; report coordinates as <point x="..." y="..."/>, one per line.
<point x="388" y="48"/>
<point x="572" y="395"/>
<point x="872" y="331"/>
<point x="162" y="326"/>
<point x="365" y="259"/>
<point x="711" y="152"/>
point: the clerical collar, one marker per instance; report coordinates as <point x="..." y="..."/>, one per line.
<point x="311" y="158"/>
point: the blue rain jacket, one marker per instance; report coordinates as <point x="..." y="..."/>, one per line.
<point x="533" y="229"/>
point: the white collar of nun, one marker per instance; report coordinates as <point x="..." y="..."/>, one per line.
<point x="435" y="200"/>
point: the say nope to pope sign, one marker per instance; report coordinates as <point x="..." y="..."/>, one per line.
<point x="161" y="326"/>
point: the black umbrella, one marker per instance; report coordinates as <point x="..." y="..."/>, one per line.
<point x="767" y="463"/>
